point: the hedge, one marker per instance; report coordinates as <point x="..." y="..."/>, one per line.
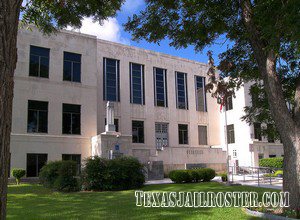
<point x="195" y="175"/>
<point x="276" y="162"/>
<point x="60" y="175"/>
<point x="117" y="174"/>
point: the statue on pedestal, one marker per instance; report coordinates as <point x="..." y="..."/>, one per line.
<point x="110" y="117"/>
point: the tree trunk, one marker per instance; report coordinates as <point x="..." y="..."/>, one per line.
<point x="288" y="127"/>
<point x="9" y="19"/>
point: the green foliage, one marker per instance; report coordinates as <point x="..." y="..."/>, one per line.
<point x="224" y="177"/>
<point x="60" y="175"/>
<point x="50" y="16"/>
<point x="208" y="174"/>
<point x="96" y="174"/>
<point x="195" y="175"/>
<point x="116" y="174"/>
<point x="126" y="173"/>
<point x="18" y="173"/>
<point x="276" y="162"/>
<point x="203" y="23"/>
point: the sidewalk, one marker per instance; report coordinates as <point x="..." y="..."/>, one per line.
<point x="237" y="180"/>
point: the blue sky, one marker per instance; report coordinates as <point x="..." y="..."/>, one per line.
<point x="112" y="30"/>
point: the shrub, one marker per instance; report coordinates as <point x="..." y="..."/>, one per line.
<point x="195" y="175"/>
<point x="276" y="162"/>
<point x="116" y="174"/>
<point x="126" y="173"/>
<point x="60" y="175"/>
<point x="18" y="173"/>
<point x="179" y="176"/>
<point x="208" y="174"/>
<point x="224" y="177"/>
<point x="66" y="180"/>
<point x="49" y="173"/>
<point x="96" y="174"/>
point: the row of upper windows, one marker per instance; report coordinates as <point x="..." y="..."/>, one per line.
<point x="37" y="122"/>
<point x="39" y="67"/>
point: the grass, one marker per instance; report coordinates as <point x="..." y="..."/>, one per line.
<point x="29" y="201"/>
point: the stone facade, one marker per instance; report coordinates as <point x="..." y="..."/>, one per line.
<point x="89" y="95"/>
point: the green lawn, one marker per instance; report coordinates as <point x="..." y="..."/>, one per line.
<point x="36" y="202"/>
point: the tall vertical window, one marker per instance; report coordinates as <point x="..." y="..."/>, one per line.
<point x="137" y="132"/>
<point x="76" y="158"/>
<point x="160" y="87"/>
<point x="200" y="94"/>
<point x="229" y="105"/>
<point x="230" y="134"/>
<point x="161" y="135"/>
<point x="137" y="84"/>
<point x="257" y="131"/>
<point x="37" y="116"/>
<point x="202" y="135"/>
<point x="71" y="119"/>
<point x="181" y="90"/>
<point x="34" y="164"/>
<point x="111" y="81"/>
<point x="39" y="62"/>
<point x="183" y="134"/>
<point x="72" y="67"/>
<point x="234" y="153"/>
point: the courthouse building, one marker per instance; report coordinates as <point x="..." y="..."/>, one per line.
<point x="64" y="81"/>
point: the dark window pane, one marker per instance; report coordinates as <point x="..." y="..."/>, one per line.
<point x="42" y="160"/>
<point x="43" y="121"/>
<point x="32" y="121"/>
<point x="72" y="57"/>
<point x="76" y="72"/>
<point x="75" y="123"/>
<point x="67" y="123"/>
<point x="183" y="134"/>
<point x="111" y="80"/>
<point x="31" y="169"/>
<point x="230" y="134"/>
<point x="34" y="65"/>
<point x="137" y="131"/>
<point x="37" y="116"/>
<point x="39" y="62"/>
<point x="44" y="67"/>
<point x="67" y="71"/>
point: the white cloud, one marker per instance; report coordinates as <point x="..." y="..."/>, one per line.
<point x="109" y="30"/>
<point x="131" y="6"/>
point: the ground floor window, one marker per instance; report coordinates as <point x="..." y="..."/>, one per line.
<point x="260" y="156"/>
<point x="183" y="134"/>
<point x="137" y="132"/>
<point x="161" y="135"/>
<point x="76" y="158"/>
<point x="272" y="155"/>
<point x="34" y="164"/>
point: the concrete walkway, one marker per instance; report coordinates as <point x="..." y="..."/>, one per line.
<point x="237" y="180"/>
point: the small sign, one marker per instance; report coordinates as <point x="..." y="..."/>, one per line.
<point x="117" y="147"/>
<point x="251" y="147"/>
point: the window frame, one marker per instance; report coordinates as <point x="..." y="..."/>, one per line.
<point x="117" y="77"/>
<point x="230" y="134"/>
<point x="185" y="137"/>
<point x="165" y="88"/>
<point x="38" y="116"/>
<point x="39" y="58"/>
<point x="138" y="132"/>
<point x="142" y="75"/>
<point x="37" y="155"/>
<point x="72" y="67"/>
<point x="71" y="113"/>
<point x="185" y="90"/>
<point x="199" y="139"/>
<point x="203" y="91"/>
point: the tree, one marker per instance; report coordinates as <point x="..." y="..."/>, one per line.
<point x="265" y="37"/>
<point x="49" y="16"/>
